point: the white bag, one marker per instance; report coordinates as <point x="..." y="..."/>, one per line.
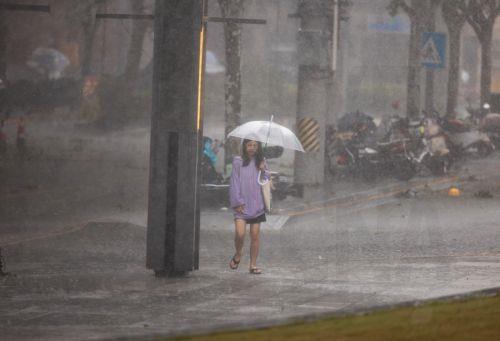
<point x="266" y="192"/>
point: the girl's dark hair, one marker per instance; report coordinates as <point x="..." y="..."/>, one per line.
<point x="259" y="156"/>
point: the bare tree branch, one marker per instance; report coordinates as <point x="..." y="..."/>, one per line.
<point x="468" y="10"/>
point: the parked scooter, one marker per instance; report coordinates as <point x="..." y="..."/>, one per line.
<point x="477" y="114"/>
<point x="465" y="138"/>
<point x="432" y="151"/>
<point x="489" y="123"/>
<point x="344" y="141"/>
<point x="344" y="155"/>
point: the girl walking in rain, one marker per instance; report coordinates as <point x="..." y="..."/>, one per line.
<point x="247" y="201"/>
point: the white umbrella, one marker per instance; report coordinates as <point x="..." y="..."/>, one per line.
<point x="269" y="133"/>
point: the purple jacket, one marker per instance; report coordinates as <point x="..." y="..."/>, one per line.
<point x="245" y="189"/>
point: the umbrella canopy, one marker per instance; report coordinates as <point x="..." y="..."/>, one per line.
<point x="269" y="133"/>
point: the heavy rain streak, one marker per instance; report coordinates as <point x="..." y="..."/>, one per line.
<point x="181" y="167"/>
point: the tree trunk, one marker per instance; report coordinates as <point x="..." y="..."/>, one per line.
<point x="455" y="33"/>
<point x="429" y="10"/>
<point x="455" y="22"/>
<point x="139" y="29"/>
<point x="486" y="65"/>
<point x="413" y="81"/>
<point x="232" y="34"/>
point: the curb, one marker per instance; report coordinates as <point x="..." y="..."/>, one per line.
<point x="357" y="198"/>
<point x="346" y="312"/>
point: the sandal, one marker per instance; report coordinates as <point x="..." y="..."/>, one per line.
<point x="255" y="271"/>
<point x="233" y="264"/>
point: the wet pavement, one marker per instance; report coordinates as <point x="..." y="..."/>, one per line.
<point x="81" y="274"/>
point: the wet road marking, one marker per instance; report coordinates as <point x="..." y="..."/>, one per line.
<point x="13" y="194"/>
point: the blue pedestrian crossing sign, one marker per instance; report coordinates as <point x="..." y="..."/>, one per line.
<point x="433" y="50"/>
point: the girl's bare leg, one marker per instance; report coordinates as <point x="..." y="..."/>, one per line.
<point x="239" y="237"/>
<point x="254" y="244"/>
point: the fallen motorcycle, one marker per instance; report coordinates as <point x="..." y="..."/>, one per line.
<point x="356" y="159"/>
<point x="382" y="161"/>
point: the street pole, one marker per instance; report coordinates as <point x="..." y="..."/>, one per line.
<point x="173" y="235"/>
<point x="176" y="134"/>
<point x="314" y="86"/>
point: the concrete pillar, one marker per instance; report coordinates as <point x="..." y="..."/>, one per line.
<point x="3" y="45"/>
<point x="314" y="86"/>
<point x="176" y="131"/>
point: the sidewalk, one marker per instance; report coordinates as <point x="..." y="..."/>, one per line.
<point x="92" y="283"/>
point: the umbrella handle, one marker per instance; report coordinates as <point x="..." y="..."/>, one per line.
<point x="269" y="131"/>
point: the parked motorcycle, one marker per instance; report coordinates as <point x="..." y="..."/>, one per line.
<point x="343" y="154"/>
<point x="423" y="142"/>
<point x="490" y="124"/>
<point x="466" y="139"/>
<point x="356" y="153"/>
<point x="432" y="151"/>
<point x="396" y="146"/>
<point x="486" y="122"/>
<point x="477" y="114"/>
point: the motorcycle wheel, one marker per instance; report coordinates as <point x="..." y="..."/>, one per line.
<point x="437" y="166"/>
<point x="404" y="170"/>
<point x="367" y="171"/>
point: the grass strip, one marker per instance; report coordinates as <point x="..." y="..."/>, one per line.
<point x="470" y="319"/>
